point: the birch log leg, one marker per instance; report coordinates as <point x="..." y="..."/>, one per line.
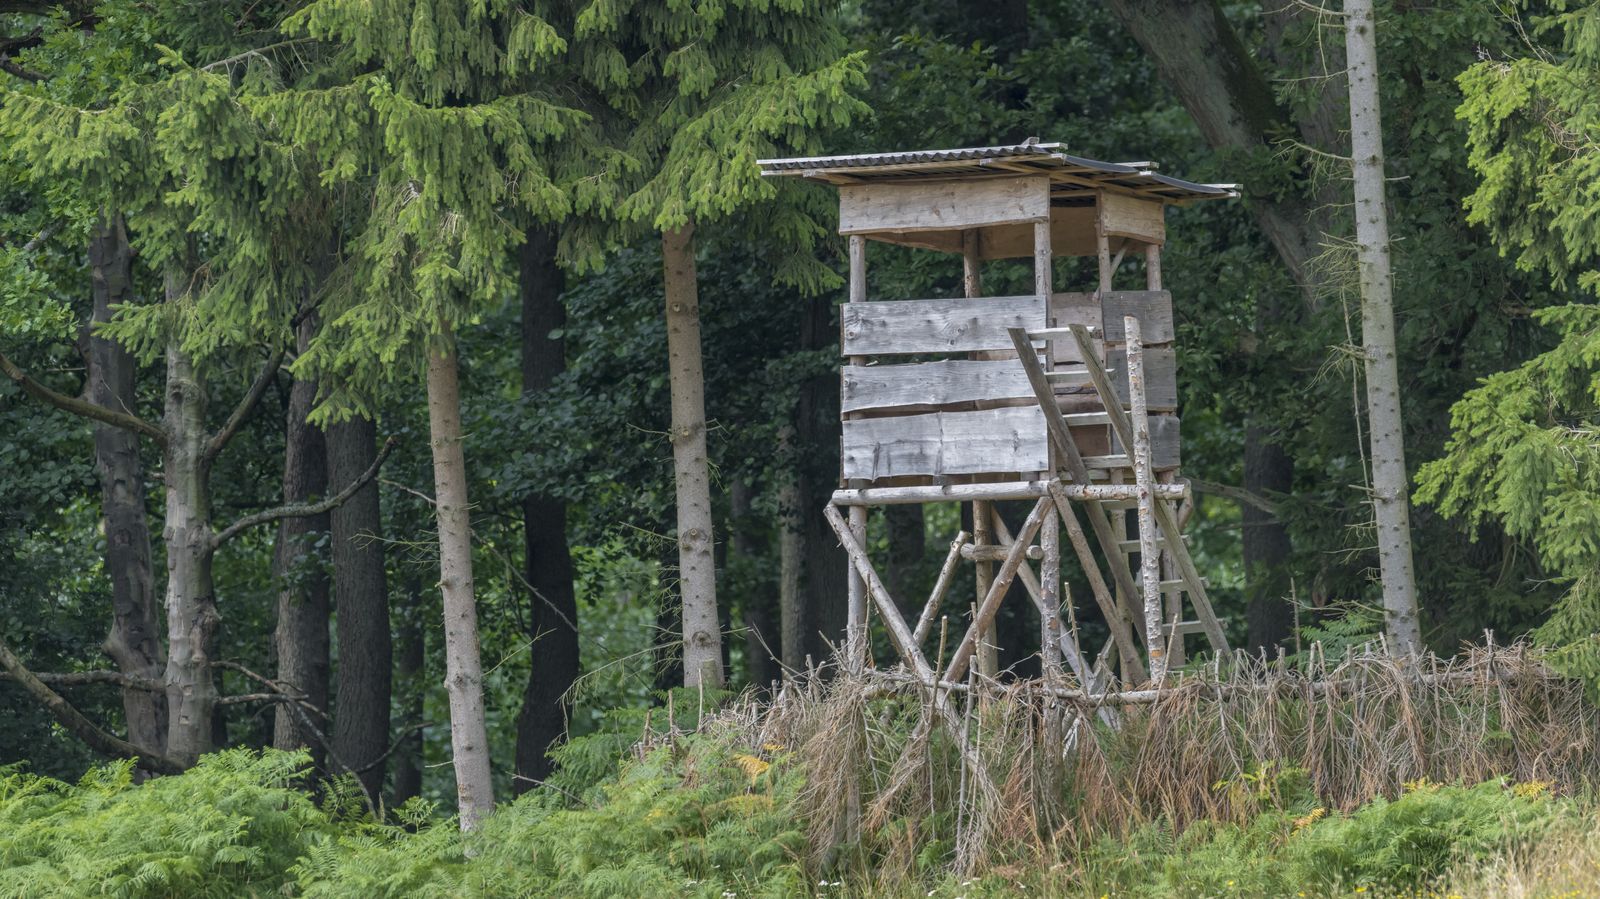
<point x="1144" y="478"/>
<point x="856" y="586"/>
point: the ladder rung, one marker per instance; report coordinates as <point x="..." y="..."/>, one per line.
<point x="1087" y="418"/>
<point x="1059" y="333"/>
<point x="1132" y="546"/>
<point x="1185" y="628"/>
<point x="1069" y="375"/>
<point x="1119" y="460"/>
<point x="1180" y="585"/>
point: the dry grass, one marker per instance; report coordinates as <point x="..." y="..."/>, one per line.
<point x="1009" y="771"/>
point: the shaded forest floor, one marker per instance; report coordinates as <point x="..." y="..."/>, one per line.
<point x="1465" y="779"/>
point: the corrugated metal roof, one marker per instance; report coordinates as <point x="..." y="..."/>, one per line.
<point x="1069" y="173"/>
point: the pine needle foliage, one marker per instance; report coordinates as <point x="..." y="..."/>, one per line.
<point x="1525" y="444"/>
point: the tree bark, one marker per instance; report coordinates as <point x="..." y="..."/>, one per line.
<point x="361" y="602"/>
<point x="791" y="548"/>
<point x="1390" y="496"/>
<point x="759" y="630"/>
<point x="697" y="578"/>
<point x="823" y="560"/>
<point x="469" y="734"/>
<point x="547" y="559"/>
<point x="409" y="675"/>
<point x="1269" y="617"/>
<point x="134" y="642"/>
<point x="191" y="601"/>
<point x="301" y="636"/>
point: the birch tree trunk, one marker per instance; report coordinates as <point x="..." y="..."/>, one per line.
<point x="361" y="602"/>
<point x="134" y="642"/>
<point x="191" y="595"/>
<point x="697" y="577"/>
<point x="301" y="634"/>
<point x="469" y="735"/>
<point x="1390" y="501"/>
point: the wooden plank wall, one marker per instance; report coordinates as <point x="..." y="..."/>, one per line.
<point x="942" y="205"/>
<point x="946" y="443"/>
<point x="898" y="327"/>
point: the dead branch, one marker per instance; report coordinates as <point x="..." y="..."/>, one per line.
<point x="246" y="405"/>
<point x="80" y="407"/>
<point x="303" y="510"/>
<point x="74" y="720"/>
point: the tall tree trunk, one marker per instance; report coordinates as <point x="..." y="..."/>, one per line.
<point x="410" y="658"/>
<point x="791" y="548"/>
<point x="760" y="634"/>
<point x="552" y="603"/>
<point x="361" y="598"/>
<point x="301" y="637"/>
<point x="1269" y="618"/>
<point x="469" y="733"/>
<point x="697" y="576"/>
<point x="134" y="642"/>
<point x="907" y="544"/>
<point x="1390" y="497"/>
<point x="823" y="560"/>
<point x="192" y="619"/>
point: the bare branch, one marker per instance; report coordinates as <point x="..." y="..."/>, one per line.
<point x="45" y="233"/>
<point x="25" y="74"/>
<point x="84" y="678"/>
<point x="1238" y="494"/>
<point x="303" y="510"/>
<point x="246" y="405"/>
<point x="80" y="726"/>
<point x="81" y="407"/>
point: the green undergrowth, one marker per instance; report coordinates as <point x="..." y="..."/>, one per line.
<point x="686" y="814"/>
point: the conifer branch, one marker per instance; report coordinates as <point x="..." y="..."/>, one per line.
<point x="245" y="407"/>
<point x="79" y="406"/>
<point x="305" y="510"/>
<point x="82" y="727"/>
<point x="25" y="74"/>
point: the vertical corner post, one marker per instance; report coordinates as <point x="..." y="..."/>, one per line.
<point x="856" y="613"/>
<point x="1050" y="598"/>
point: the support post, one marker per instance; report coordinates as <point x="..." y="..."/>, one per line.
<point x="856" y="600"/>
<point x="1050" y="599"/>
<point x="1144" y="479"/>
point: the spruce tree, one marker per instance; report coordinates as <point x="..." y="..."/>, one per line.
<point x="703" y="91"/>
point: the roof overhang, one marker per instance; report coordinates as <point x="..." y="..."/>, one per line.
<point x="1069" y="175"/>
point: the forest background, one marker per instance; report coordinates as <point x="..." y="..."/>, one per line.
<point x="243" y="179"/>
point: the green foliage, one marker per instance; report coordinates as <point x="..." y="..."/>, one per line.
<point x="231" y="826"/>
<point x="1523" y="447"/>
<point x="1300" y="848"/>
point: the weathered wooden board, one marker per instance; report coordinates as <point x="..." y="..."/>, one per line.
<point x="1153" y="308"/>
<point x="1164" y="443"/>
<point x="1124" y="216"/>
<point x="1071" y="234"/>
<point x="936" y="326"/>
<point x="943" y="205"/>
<point x="945" y="443"/>
<point x="1068" y="309"/>
<point x="931" y="386"/>
<point x="1160" y="376"/>
<point x="942" y="241"/>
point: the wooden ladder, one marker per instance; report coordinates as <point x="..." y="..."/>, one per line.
<point x="1159" y="532"/>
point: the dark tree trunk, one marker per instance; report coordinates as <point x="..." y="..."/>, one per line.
<point x="552" y="604"/>
<point x="301" y="638"/>
<point x="1269" y="616"/>
<point x="906" y="547"/>
<point x="361" y="597"/>
<point x="411" y="660"/>
<point x="758" y="604"/>
<point x="817" y="440"/>
<point x="134" y="642"/>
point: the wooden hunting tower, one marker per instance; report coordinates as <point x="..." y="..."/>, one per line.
<point x="1067" y="399"/>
